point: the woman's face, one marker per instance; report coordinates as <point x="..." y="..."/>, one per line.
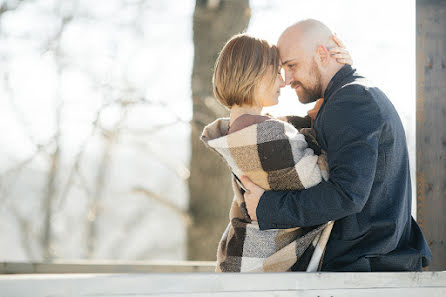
<point x="267" y="93"/>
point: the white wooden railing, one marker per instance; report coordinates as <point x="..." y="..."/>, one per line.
<point x="420" y="284"/>
<point x="78" y="266"/>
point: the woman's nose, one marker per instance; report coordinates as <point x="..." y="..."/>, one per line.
<point x="282" y="82"/>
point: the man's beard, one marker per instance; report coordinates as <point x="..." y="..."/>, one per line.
<point x="312" y="93"/>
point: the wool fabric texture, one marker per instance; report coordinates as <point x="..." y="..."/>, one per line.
<point x="275" y="156"/>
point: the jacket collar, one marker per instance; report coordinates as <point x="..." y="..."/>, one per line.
<point x="337" y="80"/>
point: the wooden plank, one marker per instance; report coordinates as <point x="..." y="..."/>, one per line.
<point x="107" y="267"/>
<point x="218" y="294"/>
<point x="431" y="126"/>
<point x="343" y="293"/>
<point x="374" y="292"/>
<point x="228" y="284"/>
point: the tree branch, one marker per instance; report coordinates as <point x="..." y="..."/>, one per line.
<point x="164" y="201"/>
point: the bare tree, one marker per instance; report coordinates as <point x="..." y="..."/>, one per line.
<point x="210" y="192"/>
<point x="50" y="194"/>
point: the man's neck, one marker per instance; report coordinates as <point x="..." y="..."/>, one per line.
<point x="329" y="75"/>
<point x="237" y="111"/>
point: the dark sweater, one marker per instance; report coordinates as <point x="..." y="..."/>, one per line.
<point x="369" y="190"/>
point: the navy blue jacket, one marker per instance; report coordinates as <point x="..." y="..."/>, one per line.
<point x="368" y="193"/>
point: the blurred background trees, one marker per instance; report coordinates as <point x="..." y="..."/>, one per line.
<point x="87" y="171"/>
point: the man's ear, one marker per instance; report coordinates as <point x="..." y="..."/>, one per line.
<point x="323" y="55"/>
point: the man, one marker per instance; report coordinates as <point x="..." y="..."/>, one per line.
<point x="368" y="193"/>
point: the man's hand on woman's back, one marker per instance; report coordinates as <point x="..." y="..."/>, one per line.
<point x="252" y="197"/>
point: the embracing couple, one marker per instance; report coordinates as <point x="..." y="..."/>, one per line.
<point x="327" y="192"/>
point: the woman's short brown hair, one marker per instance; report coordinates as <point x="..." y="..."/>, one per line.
<point x="242" y="63"/>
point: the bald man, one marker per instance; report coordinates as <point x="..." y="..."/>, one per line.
<point x="368" y="194"/>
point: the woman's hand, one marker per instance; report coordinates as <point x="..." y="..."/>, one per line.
<point x="340" y="53"/>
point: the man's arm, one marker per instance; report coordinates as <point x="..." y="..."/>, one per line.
<point x="351" y="127"/>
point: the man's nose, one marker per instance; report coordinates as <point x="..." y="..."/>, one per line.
<point x="288" y="77"/>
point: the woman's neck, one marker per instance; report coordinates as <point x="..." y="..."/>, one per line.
<point x="237" y="111"/>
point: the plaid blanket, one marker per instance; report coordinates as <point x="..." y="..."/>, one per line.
<point x="275" y="156"/>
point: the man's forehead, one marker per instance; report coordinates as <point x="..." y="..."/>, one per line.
<point x="290" y="53"/>
<point x="294" y="46"/>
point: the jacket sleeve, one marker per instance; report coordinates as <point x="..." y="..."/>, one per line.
<point x="350" y="126"/>
<point x="299" y="122"/>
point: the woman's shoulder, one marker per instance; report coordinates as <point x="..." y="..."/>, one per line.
<point x="246" y="120"/>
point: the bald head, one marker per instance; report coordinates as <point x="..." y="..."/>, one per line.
<point x="308" y="64"/>
<point x="306" y="36"/>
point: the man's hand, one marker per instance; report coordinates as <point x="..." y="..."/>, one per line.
<point x="252" y="197"/>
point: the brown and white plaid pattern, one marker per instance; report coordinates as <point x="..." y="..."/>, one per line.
<point x="275" y="156"/>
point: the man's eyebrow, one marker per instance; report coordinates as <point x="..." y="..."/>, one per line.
<point x="286" y="62"/>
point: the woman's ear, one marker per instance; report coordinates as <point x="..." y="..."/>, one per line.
<point x="323" y="55"/>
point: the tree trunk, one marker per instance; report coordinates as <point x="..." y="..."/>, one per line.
<point x="210" y="192"/>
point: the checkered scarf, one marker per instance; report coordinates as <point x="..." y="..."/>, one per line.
<point x="275" y="156"/>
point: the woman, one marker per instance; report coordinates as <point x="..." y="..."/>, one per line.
<point x="271" y="152"/>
